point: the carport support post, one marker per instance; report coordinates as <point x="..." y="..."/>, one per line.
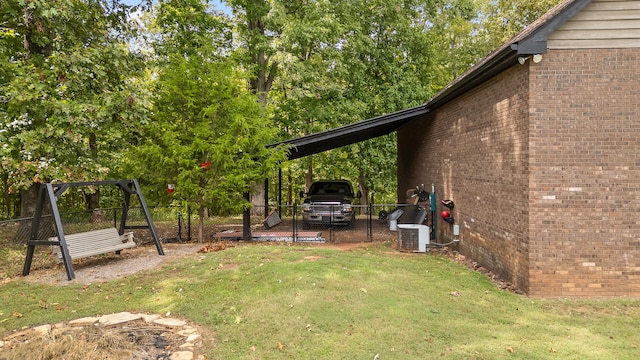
<point x="434" y="216"/>
<point x="370" y="220"/>
<point x="280" y="190"/>
<point x="266" y="198"/>
<point x="246" y="220"/>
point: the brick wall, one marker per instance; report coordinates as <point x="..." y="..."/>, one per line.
<point x="475" y="150"/>
<point x="543" y="163"/>
<point x="585" y="174"/>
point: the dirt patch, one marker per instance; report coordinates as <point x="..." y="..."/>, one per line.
<point x="228" y="266"/>
<point x="313" y="258"/>
<point x="344" y="246"/>
<point x="496" y="279"/>
<point x="109" y="267"/>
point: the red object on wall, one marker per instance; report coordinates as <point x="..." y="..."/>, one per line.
<point x="445" y="214"/>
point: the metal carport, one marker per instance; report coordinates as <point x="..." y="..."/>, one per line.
<point x="350" y="134"/>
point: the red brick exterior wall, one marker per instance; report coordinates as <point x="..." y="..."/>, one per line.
<point x="475" y="151"/>
<point x="543" y="163"/>
<point x="585" y="174"/>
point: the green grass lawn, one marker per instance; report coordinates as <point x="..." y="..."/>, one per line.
<point x="321" y="303"/>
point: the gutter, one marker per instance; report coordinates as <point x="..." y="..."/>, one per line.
<point x="492" y="66"/>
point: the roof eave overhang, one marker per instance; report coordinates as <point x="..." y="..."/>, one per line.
<point x="536" y="42"/>
<point x="349" y="134"/>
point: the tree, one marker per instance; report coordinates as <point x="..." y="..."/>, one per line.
<point x="209" y="131"/>
<point x="504" y="19"/>
<point x="256" y="31"/>
<point x="68" y="103"/>
<point x="309" y="86"/>
<point x="457" y="38"/>
<point x="346" y="62"/>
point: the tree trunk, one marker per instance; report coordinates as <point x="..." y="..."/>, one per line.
<point x="308" y="175"/>
<point x="28" y="204"/>
<point x="364" y="189"/>
<point x="33" y="26"/>
<point x="6" y="199"/>
<point x="201" y="215"/>
<point x="290" y="195"/>
<point x="92" y="200"/>
<point x="28" y="200"/>
<point x="266" y="69"/>
<point x="257" y="200"/>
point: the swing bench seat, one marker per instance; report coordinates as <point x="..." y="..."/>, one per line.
<point x="91" y="243"/>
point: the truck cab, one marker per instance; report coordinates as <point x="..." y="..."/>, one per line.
<point x="328" y="202"/>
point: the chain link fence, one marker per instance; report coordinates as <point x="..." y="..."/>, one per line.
<point x="174" y="224"/>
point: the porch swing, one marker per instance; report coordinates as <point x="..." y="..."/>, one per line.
<point x="84" y="244"/>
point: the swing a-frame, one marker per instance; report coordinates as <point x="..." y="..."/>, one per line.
<point x="93" y="242"/>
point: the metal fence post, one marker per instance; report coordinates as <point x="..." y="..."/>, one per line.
<point x="370" y="221"/>
<point x="188" y="223"/>
<point x="295" y="222"/>
<point x="179" y="226"/>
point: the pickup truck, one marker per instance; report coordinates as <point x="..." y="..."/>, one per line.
<point x="328" y="203"/>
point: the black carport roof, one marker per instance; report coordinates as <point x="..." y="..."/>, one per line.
<point x="352" y="133"/>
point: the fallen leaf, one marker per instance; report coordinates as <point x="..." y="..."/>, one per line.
<point x="252" y="348"/>
<point x="509" y="349"/>
<point x="127" y="298"/>
<point x="553" y="350"/>
<point x="17" y="314"/>
<point x="456" y="293"/>
<point x="280" y="346"/>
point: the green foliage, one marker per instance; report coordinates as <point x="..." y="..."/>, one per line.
<point x="457" y="38"/>
<point x="74" y="97"/>
<point x="334" y="304"/>
<point x="505" y="18"/>
<point x="185" y="26"/>
<point x="256" y="34"/>
<point x="347" y="62"/>
<point x="209" y="133"/>
<point x="344" y="61"/>
<point x="68" y="104"/>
